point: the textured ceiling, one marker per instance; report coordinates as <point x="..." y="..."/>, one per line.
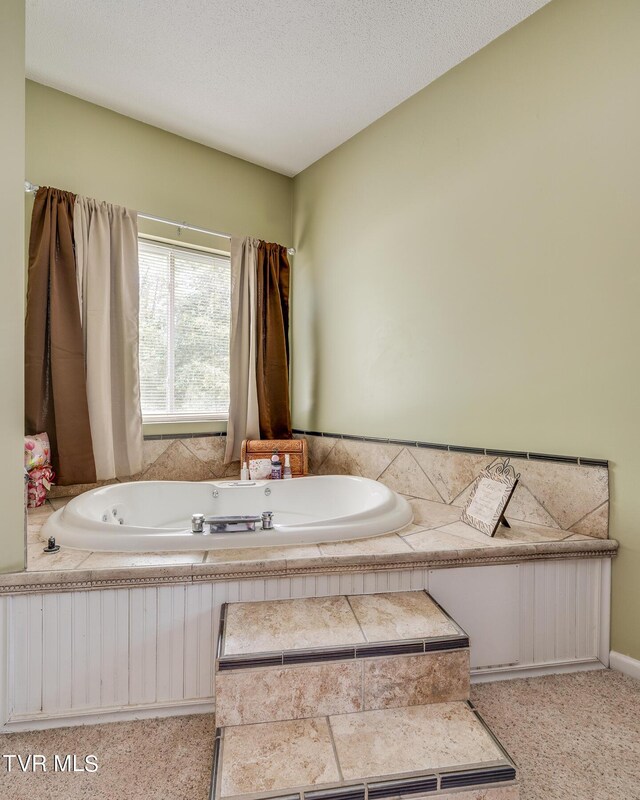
<point x="277" y="82"/>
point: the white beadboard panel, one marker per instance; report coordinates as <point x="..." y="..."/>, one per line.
<point x="143" y="644"/>
<point x="485" y="601"/>
<point x="561" y="614"/>
<point x="170" y="644"/>
<point x="113" y="631"/>
<point x="124" y="651"/>
<point x="57" y="625"/>
<point x="201" y="622"/>
<point x="85" y="650"/>
<point x="25" y="654"/>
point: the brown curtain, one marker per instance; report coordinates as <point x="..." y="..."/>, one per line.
<point x="273" y="341"/>
<point x="55" y="389"/>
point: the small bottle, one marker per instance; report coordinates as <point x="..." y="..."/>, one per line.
<point x="276" y="466"/>
<point x="287" y="467"/>
<point x="244" y="472"/>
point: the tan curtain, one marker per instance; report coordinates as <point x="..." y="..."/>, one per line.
<point x="243" y="395"/>
<point x="55" y="389"/>
<point x="108" y="286"/>
<point x="272" y="367"/>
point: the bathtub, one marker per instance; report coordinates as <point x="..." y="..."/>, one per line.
<point x="156" y="515"/>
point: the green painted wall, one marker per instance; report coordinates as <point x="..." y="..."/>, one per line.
<point x="468" y="267"/>
<point x="12" y="276"/>
<point x="84" y="148"/>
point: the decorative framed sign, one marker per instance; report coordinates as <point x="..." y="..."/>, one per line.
<point x="490" y="496"/>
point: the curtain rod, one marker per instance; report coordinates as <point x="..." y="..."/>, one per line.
<point x="31" y="187"/>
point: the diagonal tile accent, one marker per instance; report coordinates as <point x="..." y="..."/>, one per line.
<point x="525" y="507"/>
<point x="449" y="472"/>
<point x="567" y="491"/>
<point x="177" y="463"/>
<point x="404" y="475"/>
<point x="595" y="524"/>
<point x="359" y="458"/>
<point x="428" y="514"/>
<point x="318" y="448"/>
<point x="209" y="450"/>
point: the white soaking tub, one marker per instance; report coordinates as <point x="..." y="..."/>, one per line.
<point x="157" y="515"/>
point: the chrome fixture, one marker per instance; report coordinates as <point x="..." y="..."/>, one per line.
<point x="197" y="523"/>
<point x="267" y="491"/>
<point x="238" y="523"/>
<point x="234" y="523"/>
<point x="215" y="493"/>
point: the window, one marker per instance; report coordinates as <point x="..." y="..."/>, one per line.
<point x="185" y="307"/>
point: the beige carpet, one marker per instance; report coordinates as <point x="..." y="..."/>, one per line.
<point x="160" y="759"/>
<point x="574" y="737"/>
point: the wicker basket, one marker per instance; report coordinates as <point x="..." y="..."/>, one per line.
<point x="263" y="448"/>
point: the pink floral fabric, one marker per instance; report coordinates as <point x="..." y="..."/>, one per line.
<point x="37" y="451"/>
<point x="37" y="462"/>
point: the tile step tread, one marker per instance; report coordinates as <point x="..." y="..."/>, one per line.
<point x="277" y="632"/>
<point x="417" y="751"/>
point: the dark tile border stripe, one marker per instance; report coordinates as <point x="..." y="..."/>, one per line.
<point x="456" y="641"/>
<point x="155" y="437"/>
<point x="477" y="777"/>
<point x="455" y="448"/>
<point x="215" y="764"/>
<point x="323" y="654"/>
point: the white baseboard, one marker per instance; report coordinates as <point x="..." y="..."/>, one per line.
<point x="533" y="671"/>
<point x="45" y="721"/>
<point x="630" y="666"/>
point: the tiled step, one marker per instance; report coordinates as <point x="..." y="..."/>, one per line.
<point x="292" y="659"/>
<point x="435" y="750"/>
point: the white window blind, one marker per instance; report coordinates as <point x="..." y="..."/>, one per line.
<point x="185" y="307"/>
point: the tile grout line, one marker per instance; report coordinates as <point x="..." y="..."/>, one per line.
<point x="593" y="511"/>
<point x="431" y="483"/>
<point x="335" y="749"/>
<point x="355" y="616"/>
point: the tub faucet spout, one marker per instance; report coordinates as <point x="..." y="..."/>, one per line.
<point x="197" y="523"/>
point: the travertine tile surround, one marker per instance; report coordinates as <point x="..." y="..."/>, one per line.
<point x="429" y="541"/>
<point x="353" y="747"/>
<point x="570" y="497"/>
<point x="313" y="622"/>
<point x="197" y="458"/>
<point x="400" y="615"/>
<point x="255" y="693"/>
<point x="409" y="739"/>
<point x="247" y="696"/>
<point x="283" y="754"/>
<point x="290" y="625"/>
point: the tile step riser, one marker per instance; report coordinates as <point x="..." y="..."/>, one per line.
<point x="489" y="789"/>
<point x="284" y="693"/>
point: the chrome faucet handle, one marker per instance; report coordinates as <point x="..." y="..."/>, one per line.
<point x="267" y="520"/>
<point x="197" y="523"/>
